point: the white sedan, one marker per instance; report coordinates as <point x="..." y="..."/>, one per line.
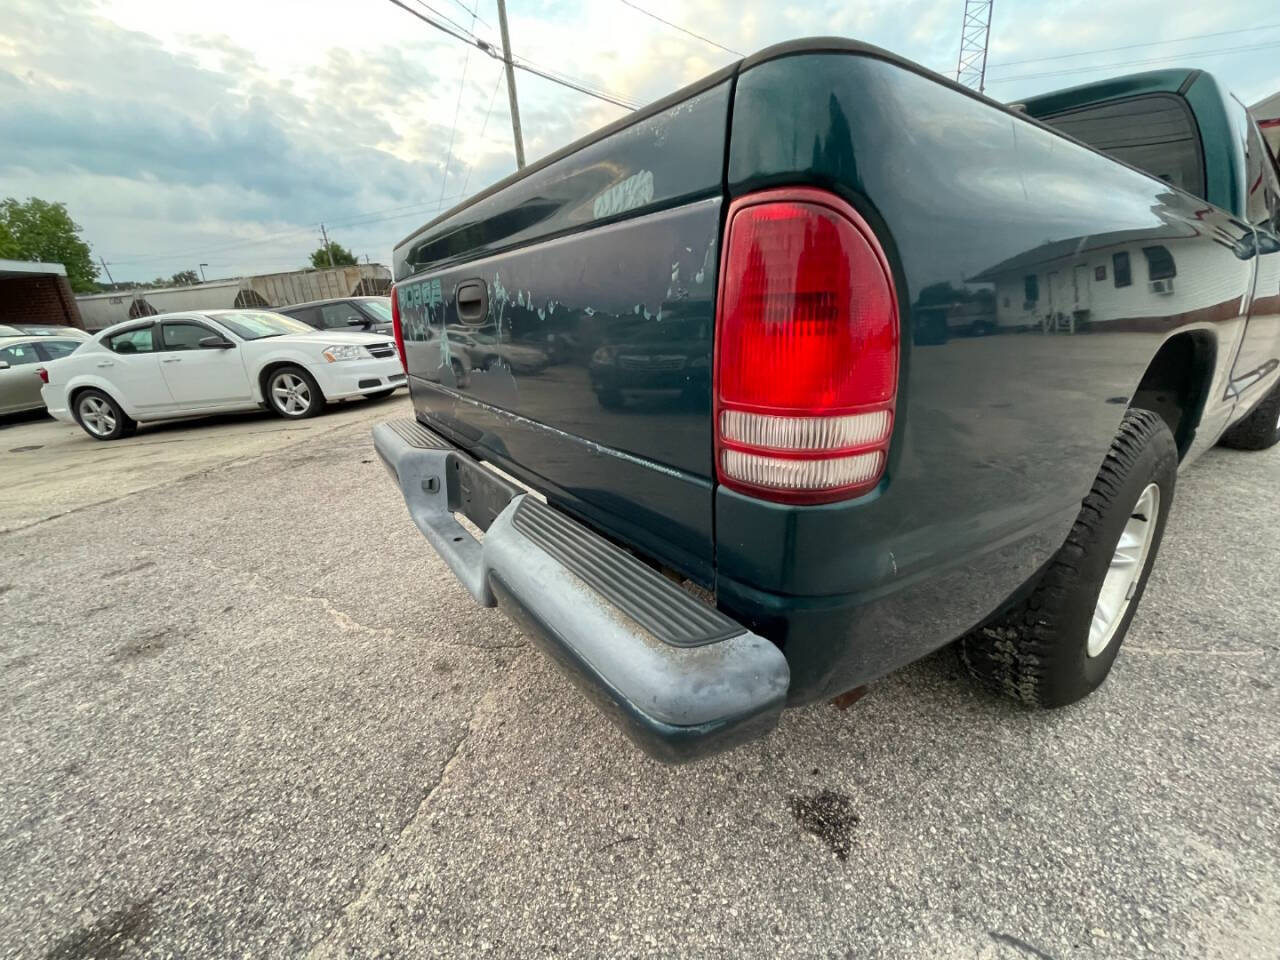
<point x="193" y="364"/>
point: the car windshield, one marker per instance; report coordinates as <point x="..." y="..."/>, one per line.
<point x="8" y="331"/>
<point x="379" y="308"/>
<point x="255" y="326"/>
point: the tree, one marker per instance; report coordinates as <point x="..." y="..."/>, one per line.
<point x="185" y="278"/>
<point x="44" y="231"/>
<point x="342" y="257"/>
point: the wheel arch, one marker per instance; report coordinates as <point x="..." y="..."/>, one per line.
<point x="1177" y="381"/>
<point x="271" y="366"/>
<point x="77" y="387"/>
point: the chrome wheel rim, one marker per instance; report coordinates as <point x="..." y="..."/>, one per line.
<point x="97" y="416"/>
<point x="291" y="394"/>
<point x="1127" y="564"/>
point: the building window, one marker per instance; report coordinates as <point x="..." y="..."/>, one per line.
<point x="1120" y="269"/>
<point x="1031" y="287"/>
<point x="1159" y="263"/>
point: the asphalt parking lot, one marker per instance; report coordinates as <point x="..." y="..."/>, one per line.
<point x="249" y="713"/>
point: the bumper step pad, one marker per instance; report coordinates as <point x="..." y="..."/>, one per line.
<point x="680" y="678"/>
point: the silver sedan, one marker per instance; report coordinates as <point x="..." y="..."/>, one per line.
<point x="20" y="360"/>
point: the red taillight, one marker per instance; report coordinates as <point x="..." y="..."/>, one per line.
<point x="806" y="349"/>
<point x="397" y="330"/>
<point x="43" y="374"/>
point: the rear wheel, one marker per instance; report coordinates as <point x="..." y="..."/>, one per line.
<point x="101" y="417"/>
<point x="293" y="393"/>
<point x="1260" y="429"/>
<point x="1057" y="643"/>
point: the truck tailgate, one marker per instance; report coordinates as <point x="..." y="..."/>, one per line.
<point x="561" y="324"/>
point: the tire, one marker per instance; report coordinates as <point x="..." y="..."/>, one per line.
<point x="380" y="394"/>
<point x="294" y="394"/>
<point x="101" y="417"/>
<point x="1260" y="429"/>
<point x="1044" y="649"/>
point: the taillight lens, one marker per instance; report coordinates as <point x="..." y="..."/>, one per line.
<point x="806" y="350"/>
<point x="397" y="330"/>
<point x="43" y="374"/>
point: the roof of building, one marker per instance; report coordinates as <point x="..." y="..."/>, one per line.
<point x="1267" y="110"/>
<point x="27" y="268"/>
<point x="1077" y="246"/>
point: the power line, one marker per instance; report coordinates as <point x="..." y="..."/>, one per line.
<point x="600" y="93"/>
<point x="524" y="65"/>
<point x="439" y="26"/>
<point x="1133" y="46"/>
<point x="1186" y="54"/>
<point x="474" y="14"/>
<point x="462" y="85"/>
<point x="469" y="31"/>
<point x="676" y="26"/>
<point x="484" y="126"/>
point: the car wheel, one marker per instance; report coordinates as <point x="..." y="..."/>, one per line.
<point x="1260" y="429"/>
<point x="380" y="394"/>
<point x="1057" y="642"/>
<point x="293" y="393"/>
<point x="102" y="418"/>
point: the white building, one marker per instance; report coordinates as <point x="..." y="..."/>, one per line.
<point x="1121" y="278"/>
<point x="1267" y="113"/>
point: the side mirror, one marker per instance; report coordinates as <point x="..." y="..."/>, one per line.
<point x="216" y="343"/>
<point x="357" y="322"/>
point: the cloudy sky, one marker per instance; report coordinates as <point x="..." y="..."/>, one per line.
<point x="225" y="133"/>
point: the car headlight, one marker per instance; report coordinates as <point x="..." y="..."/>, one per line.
<point x="603" y="356"/>
<point x="342" y="352"/>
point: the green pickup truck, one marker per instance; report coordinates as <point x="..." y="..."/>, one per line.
<point x="828" y="362"/>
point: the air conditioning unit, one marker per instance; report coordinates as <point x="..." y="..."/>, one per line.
<point x="1161" y="286"/>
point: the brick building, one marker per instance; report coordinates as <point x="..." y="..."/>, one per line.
<point x="37" y="293"/>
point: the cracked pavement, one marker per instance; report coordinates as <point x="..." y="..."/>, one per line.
<point x="249" y="713"/>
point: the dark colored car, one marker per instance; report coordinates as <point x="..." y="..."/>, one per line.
<point x="956" y="355"/>
<point x="345" y="313"/>
<point x="669" y="361"/>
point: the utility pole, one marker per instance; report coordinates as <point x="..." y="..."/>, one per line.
<point x="975" y="35"/>
<point x="511" y="84"/>
<point x="104" y="267"/>
<point x="327" y="249"/>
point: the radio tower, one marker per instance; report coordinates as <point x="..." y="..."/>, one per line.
<point x="975" y="31"/>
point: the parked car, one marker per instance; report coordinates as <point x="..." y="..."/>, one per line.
<point x="194" y="364"/>
<point x="372" y="314"/>
<point x="487" y="349"/>
<point x="21" y="358"/>
<point x="857" y="487"/>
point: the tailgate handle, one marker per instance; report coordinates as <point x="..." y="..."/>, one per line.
<point x="473" y="301"/>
